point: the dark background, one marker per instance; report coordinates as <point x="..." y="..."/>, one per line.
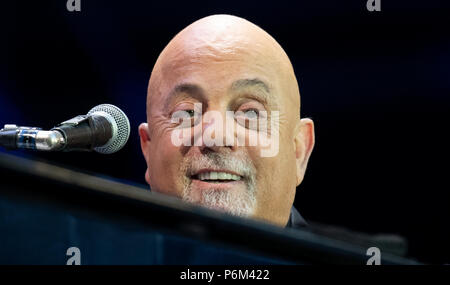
<point x="376" y="85"/>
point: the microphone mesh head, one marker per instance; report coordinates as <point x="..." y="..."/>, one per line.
<point x="122" y="125"/>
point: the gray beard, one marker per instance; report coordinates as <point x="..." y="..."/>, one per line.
<point x="240" y="204"/>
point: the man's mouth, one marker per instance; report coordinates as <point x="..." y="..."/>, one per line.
<point x="216" y="177"/>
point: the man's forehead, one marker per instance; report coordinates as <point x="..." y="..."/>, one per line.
<point x="206" y="74"/>
<point x="224" y="45"/>
<point x="193" y="57"/>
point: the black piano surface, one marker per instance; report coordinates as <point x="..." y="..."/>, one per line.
<point x="46" y="209"/>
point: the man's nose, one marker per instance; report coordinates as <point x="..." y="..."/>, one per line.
<point x="217" y="130"/>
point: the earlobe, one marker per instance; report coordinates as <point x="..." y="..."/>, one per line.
<point x="147" y="176"/>
<point x="304" y="143"/>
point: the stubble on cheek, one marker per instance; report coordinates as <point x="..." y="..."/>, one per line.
<point x="164" y="161"/>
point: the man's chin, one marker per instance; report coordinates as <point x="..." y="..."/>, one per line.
<point x="234" y="201"/>
<point x="231" y="210"/>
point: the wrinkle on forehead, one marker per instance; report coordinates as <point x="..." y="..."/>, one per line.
<point x="220" y="38"/>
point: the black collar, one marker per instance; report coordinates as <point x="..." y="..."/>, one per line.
<point x="295" y="219"/>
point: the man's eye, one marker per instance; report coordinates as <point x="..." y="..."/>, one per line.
<point x="183" y="114"/>
<point x="251" y="114"/>
<point x="185" y="118"/>
<point x="249" y="118"/>
<point x="191" y="113"/>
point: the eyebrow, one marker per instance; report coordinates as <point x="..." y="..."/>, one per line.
<point x="193" y="91"/>
<point x="197" y="92"/>
<point x="246" y="83"/>
<point x="255" y="83"/>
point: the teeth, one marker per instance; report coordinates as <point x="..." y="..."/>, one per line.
<point x="218" y="176"/>
<point x="221" y="176"/>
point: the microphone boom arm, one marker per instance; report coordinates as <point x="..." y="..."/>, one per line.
<point x="14" y="137"/>
<point x="105" y="129"/>
<point x="82" y="133"/>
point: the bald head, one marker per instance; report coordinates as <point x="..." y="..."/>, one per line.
<point x="225" y="63"/>
<point x="225" y="38"/>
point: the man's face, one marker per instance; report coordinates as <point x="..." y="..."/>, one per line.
<point x="228" y="177"/>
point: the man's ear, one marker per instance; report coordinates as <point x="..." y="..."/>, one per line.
<point x="304" y="144"/>
<point x="145" y="141"/>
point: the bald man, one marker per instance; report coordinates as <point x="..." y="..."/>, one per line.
<point x="217" y="66"/>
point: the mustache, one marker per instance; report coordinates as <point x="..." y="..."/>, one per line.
<point x="213" y="160"/>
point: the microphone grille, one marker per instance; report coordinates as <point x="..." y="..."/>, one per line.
<point x="121" y="123"/>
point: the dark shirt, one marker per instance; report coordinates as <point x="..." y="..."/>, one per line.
<point x="295" y="219"/>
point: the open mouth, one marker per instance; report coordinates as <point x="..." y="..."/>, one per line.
<point x="216" y="177"/>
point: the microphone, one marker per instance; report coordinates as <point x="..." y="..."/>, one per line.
<point x="105" y="129"/>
